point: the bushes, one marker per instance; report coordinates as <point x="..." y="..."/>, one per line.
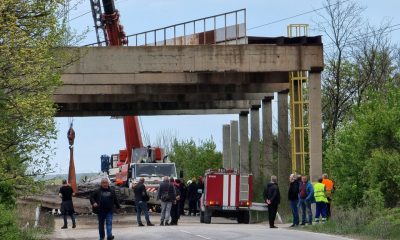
<point x="363" y="222"/>
<point x="365" y="158"/>
<point x="9" y="228"/>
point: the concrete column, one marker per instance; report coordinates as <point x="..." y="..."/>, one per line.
<point x="284" y="164"/>
<point x="234" y="145"/>
<point x="244" y="142"/>
<point x="226" y="146"/>
<point x="255" y="140"/>
<point x="267" y="137"/>
<point x="315" y="137"/>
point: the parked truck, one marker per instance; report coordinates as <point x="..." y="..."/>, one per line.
<point x="149" y="163"/>
<point x="227" y="193"/>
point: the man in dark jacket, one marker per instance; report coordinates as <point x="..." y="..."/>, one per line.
<point x="67" y="207"/>
<point x="293" y="196"/>
<point x="141" y="203"/>
<point x="103" y="201"/>
<point x="192" y="197"/>
<point x="175" y="212"/>
<point x="182" y="200"/>
<point x="272" y="197"/>
<point x="167" y="194"/>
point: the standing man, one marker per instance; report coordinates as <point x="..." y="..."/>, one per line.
<point x="67" y="207"/>
<point x="293" y="196"/>
<point x="329" y="187"/>
<point x="200" y="190"/>
<point x="175" y="212"/>
<point x="192" y="197"/>
<point x="272" y="197"/>
<point x="306" y="198"/>
<point x="183" y="191"/>
<point x="103" y="201"/>
<point x="166" y="193"/>
<point x="141" y="199"/>
<point x="321" y="201"/>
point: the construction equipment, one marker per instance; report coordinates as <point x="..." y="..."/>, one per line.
<point x="299" y="109"/>
<point x="227" y="193"/>
<point x="125" y="169"/>
<point x="149" y="163"/>
<point x="71" y="170"/>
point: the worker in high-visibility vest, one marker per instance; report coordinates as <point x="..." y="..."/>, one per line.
<point x="321" y="201"/>
<point x="330" y="187"/>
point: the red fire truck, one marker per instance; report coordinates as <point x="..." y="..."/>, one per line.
<point x="227" y="193"/>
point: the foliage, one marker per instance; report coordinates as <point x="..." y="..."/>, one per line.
<point x="30" y="67"/>
<point x="363" y="222"/>
<point x="193" y="159"/>
<point x="9" y="228"/>
<point x="365" y="158"/>
<point x="359" y="58"/>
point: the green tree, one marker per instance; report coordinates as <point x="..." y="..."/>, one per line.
<point x="194" y="159"/>
<point x="365" y="158"/>
<point x="30" y="69"/>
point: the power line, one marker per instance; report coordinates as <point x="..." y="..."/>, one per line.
<point x="386" y="30"/>
<point x="86" y="13"/>
<point x="298" y="15"/>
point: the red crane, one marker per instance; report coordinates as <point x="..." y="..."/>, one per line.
<point x="115" y="36"/>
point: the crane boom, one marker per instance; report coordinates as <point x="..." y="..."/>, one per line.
<point x="115" y="36"/>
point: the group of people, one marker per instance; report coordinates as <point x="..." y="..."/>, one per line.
<point x="171" y="193"/>
<point x="301" y="195"/>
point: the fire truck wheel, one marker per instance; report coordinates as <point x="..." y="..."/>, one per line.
<point x="207" y="216"/>
<point x="243" y="217"/>
<point x="239" y="217"/>
<point x="201" y="217"/>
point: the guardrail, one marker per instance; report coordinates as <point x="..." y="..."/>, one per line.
<point x="263" y="207"/>
<point x="220" y="28"/>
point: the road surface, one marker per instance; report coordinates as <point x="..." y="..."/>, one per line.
<point x="188" y="229"/>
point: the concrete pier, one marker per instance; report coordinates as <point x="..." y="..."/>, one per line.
<point x="255" y="140"/>
<point x="244" y="142"/>
<point x="284" y="163"/>
<point x="315" y="141"/>
<point x="234" y="145"/>
<point x="267" y="137"/>
<point x="226" y="145"/>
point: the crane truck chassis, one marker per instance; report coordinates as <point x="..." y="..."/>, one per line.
<point x="148" y="163"/>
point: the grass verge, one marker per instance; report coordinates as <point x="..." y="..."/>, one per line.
<point x="18" y="223"/>
<point x="362" y="223"/>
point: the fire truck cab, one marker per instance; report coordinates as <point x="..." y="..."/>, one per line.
<point x="227" y="193"/>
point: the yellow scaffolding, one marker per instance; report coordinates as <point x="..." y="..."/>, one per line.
<point x="299" y="103"/>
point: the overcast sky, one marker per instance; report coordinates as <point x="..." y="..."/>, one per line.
<point x="101" y="135"/>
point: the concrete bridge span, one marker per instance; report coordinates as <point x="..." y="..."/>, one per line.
<point x="203" y="79"/>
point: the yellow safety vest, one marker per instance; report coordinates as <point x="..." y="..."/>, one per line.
<point x="319" y="193"/>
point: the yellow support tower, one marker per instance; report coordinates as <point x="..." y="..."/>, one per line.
<point x="299" y="103"/>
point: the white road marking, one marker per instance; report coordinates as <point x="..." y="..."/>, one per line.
<point x="203" y="237"/>
<point x="200" y="236"/>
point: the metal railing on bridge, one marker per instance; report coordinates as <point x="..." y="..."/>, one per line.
<point x="224" y="28"/>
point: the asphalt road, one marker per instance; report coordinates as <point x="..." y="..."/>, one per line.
<point x="188" y="229"/>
